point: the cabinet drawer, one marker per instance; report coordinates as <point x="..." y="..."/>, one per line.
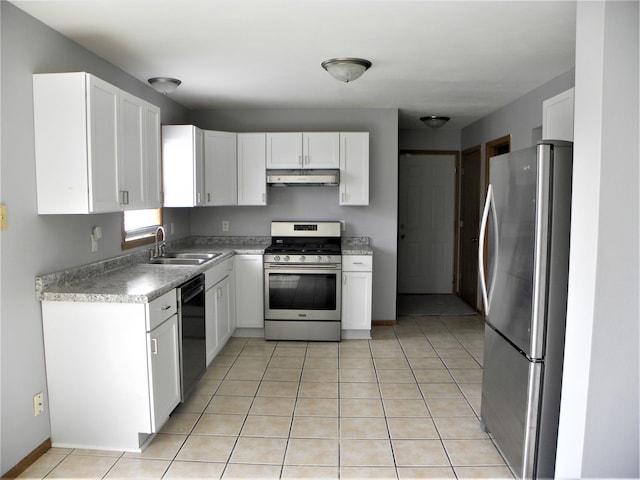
<point x="160" y="309"/>
<point x="217" y="273"/>
<point x="357" y="263"/>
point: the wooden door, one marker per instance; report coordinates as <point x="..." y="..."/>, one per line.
<point x="426" y="223"/>
<point x="469" y="224"/>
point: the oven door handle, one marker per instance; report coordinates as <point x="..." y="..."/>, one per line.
<point x="290" y="266"/>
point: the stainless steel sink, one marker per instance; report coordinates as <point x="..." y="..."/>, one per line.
<point x="184" y="258"/>
<point x="204" y="256"/>
<point x="177" y="261"/>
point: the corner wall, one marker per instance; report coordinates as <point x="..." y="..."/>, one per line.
<point x="34" y="244"/>
<point x="599" y="429"/>
<point x="378" y="220"/>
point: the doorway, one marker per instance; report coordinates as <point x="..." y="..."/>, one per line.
<point x="470" y="184"/>
<point x="427" y="211"/>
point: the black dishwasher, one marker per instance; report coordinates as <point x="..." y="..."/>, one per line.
<point x="193" y="355"/>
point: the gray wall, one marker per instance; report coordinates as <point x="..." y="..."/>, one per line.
<point x="377" y="221"/>
<point x="599" y="433"/>
<point x="427" y="139"/>
<point x="521" y="118"/>
<point x="34" y="244"/>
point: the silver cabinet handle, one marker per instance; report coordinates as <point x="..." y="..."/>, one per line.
<point x="166" y="307"/>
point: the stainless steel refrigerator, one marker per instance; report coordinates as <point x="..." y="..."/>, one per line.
<point x="527" y="219"/>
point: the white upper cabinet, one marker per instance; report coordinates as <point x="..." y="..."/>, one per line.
<point x="252" y="179"/>
<point x="153" y="159"/>
<point x="354" y="168"/>
<point x="557" y="117"/>
<point x="220" y="167"/>
<point x="183" y="165"/>
<point x="91" y="144"/>
<point x="132" y="174"/>
<point x="303" y="150"/>
<point x="284" y="150"/>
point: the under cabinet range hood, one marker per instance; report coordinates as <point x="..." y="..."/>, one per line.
<point x="304" y="177"/>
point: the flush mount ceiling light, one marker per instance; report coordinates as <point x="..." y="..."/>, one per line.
<point x="346" y="69"/>
<point x="434" y="121"/>
<point x="164" y="85"/>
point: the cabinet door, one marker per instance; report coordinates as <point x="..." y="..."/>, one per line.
<point x="132" y="170"/>
<point x="182" y="165"/>
<point x="356" y="300"/>
<point x="249" y="291"/>
<point x="220" y="167"/>
<point x="321" y="149"/>
<point x="198" y="180"/>
<point x="102" y="115"/>
<point x="252" y="178"/>
<point x="164" y="373"/>
<point x="284" y="150"/>
<point x="223" y="317"/>
<point x="152" y="159"/>
<point x="354" y="168"/>
<point x="210" y="324"/>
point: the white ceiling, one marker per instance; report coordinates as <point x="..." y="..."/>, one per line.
<point x="462" y="59"/>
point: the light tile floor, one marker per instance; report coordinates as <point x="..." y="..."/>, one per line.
<point x="403" y="405"/>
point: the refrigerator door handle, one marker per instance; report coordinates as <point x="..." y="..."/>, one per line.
<point x="489" y="204"/>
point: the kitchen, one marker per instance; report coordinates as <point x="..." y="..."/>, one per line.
<point x="35" y="245"/>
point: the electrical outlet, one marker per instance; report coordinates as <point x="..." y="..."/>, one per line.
<point x="225" y="225"/>
<point x="38" y="404"/>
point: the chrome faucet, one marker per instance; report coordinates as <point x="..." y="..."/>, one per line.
<point x="159" y="248"/>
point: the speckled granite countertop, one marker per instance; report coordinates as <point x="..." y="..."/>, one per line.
<point x="356" y="246"/>
<point x="129" y="279"/>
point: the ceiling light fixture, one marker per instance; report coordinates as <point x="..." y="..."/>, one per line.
<point x="164" y="85"/>
<point x="346" y="69"/>
<point x="434" y="121"/>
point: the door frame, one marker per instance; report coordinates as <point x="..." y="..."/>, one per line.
<point x="456" y="213"/>
<point x="476" y="148"/>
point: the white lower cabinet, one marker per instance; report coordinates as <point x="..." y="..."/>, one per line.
<point x="249" y="291"/>
<point x="113" y="374"/>
<point x="357" y="277"/>
<point x="219" y="307"/>
<point x="164" y="351"/>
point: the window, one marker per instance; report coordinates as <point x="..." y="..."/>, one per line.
<point x="139" y="227"/>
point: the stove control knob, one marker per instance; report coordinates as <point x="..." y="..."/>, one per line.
<point x="328" y="259"/>
<point x="302" y="258"/>
<point x="286" y="258"/>
<point x="318" y="259"/>
<point x="277" y="258"/>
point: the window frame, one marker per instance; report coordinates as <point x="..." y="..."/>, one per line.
<point x="145" y="238"/>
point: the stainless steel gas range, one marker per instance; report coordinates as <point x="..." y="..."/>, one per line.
<point x="302" y="281"/>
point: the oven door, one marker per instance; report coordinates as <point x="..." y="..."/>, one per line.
<point x="302" y="292"/>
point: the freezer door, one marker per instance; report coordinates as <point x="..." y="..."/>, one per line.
<point x="510" y="402"/>
<point x="519" y="181"/>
